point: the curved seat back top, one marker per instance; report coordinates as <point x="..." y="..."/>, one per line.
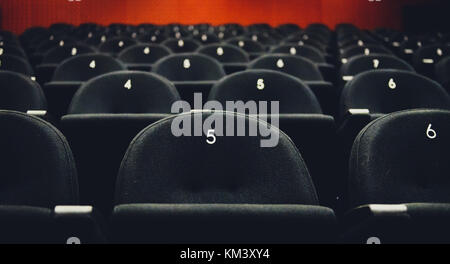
<point x="402" y="158"/>
<point x="386" y="91"/>
<point x="189" y="67"/>
<point x="84" y="67"/>
<point x="19" y="93"/>
<point x="125" y="92"/>
<point x="37" y="163"/>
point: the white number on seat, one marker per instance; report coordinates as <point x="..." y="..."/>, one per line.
<point x="376" y="63"/>
<point x="280" y="63"/>
<point x="260" y="84"/>
<point x="128" y="84"/>
<point x="146" y="50"/>
<point x="121" y="44"/>
<point x="211" y="138"/>
<point x="180" y="43"/>
<point x="219" y="51"/>
<point x="74" y="51"/>
<point x="293" y="51"/>
<point x="186" y="63"/>
<point x="92" y="64"/>
<point x="366" y="51"/>
<point x="392" y="84"/>
<point x="431" y="133"/>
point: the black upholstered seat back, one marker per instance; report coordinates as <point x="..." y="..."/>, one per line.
<point x="37" y="167"/>
<point x="293" y="95"/>
<point x="143" y="53"/>
<point x="443" y="72"/>
<point x="368" y="49"/>
<point x="305" y="51"/>
<point x="162" y="168"/>
<point x="362" y="63"/>
<point x="19" y="93"/>
<point x="402" y="157"/>
<point x="386" y="91"/>
<point x="116" y="45"/>
<point x="189" y="67"/>
<point x="60" y="53"/>
<point x="181" y="45"/>
<point x="246" y="44"/>
<point x="125" y="92"/>
<point x="224" y="52"/>
<point x="84" y="67"/>
<point x="15" y="64"/>
<point x="294" y="65"/>
<point x="11" y="50"/>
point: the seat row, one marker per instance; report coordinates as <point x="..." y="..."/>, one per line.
<point x="215" y="188"/>
<point x="351" y="42"/>
<point x="115" y="106"/>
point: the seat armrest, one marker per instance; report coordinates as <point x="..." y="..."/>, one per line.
<point x="81" y="222"/>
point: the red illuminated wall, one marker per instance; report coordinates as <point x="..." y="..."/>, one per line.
<point x="19" y="14"/>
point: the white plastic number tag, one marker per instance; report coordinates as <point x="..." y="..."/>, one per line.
<point x="146" y="50"/>
<point x="74" y="51"/>
<point x="211" y="138"/>
<point x="431" y="133"/>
